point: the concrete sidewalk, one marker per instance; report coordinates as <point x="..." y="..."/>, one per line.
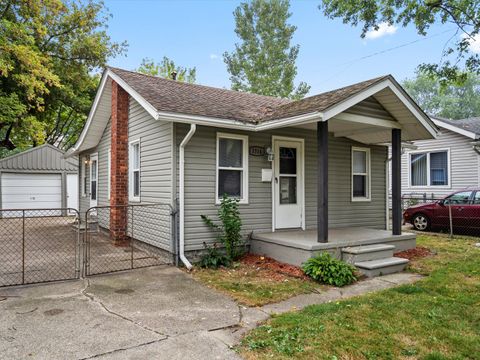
<point x="153" y="313"/>
<point x="150" y="313"/>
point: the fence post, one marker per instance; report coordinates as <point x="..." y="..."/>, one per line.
<point x="131" y="240"/>
<point x="23" y="247"/>
<point x="450" y="219"/>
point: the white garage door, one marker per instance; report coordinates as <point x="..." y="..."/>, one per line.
<point x="31" y="191"/>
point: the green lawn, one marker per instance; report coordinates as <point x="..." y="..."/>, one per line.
<point x="436" y="318"/>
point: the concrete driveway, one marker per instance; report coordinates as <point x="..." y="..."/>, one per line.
<point x="153" y="313"/>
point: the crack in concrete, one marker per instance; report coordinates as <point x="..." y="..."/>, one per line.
<point x="91" y="297"/>
<point x="123" y="349"/>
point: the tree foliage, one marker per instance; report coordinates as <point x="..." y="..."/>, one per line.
<point x="457" y="59"/>
<point x="48" y="51"/>
<point x="165" y="68"/>
<point x="264" y="61"/>
<point x="453" y="101"/>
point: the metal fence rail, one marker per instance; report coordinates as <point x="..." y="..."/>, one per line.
<point x="134" y="242"/>
<point x="38" y="245"/>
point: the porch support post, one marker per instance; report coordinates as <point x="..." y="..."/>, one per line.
<point x="322" y="181"/>
<point x="396" y="181"/>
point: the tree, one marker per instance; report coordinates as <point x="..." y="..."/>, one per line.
<point x="264" y="61"/>
<point x="48" y="51"/>
<point x="455" y="101"/>
<point x="165" y="69"/>
<point x="457" y="59"/>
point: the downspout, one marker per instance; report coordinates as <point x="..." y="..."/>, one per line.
<point x="184" y="142"/>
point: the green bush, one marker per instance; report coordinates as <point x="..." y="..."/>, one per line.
<point x="229" y="229"/>
<point x="213" y="258"/>
<point x="328" y="270"/>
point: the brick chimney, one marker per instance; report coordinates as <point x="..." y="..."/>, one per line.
<point x="119" y="163"/>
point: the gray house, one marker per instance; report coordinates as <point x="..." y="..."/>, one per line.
<point x="39" y="178"/>
<point x="451" y="162"/>
<point x="310" y="175"/>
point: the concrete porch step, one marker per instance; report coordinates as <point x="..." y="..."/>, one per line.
<point x="354" y="254"/>
<point x="379" y="267"/>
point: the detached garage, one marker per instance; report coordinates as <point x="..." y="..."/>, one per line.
<point x="39" y="178"/>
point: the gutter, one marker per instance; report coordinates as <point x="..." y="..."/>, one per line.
<point x="181" y="249"/>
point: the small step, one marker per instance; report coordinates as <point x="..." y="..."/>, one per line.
<point x="379" y="267"/>
<point x="355" y="254"/>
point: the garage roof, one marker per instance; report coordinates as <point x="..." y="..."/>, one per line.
<point x="44" y="158"/>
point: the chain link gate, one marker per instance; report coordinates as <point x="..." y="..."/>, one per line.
<point x="39" y="245"/>
<point x="127" y="237"/>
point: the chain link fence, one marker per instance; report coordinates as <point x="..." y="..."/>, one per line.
<point x="128" y="237"/>
<point x="39" y="245"/>
<point x="42" y="245"/>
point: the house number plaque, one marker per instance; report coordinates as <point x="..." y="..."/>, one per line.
<point x="257" y="151"/>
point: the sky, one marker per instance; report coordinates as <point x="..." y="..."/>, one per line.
<point x="332" y="54"/>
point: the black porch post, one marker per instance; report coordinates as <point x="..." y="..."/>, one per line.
<point x="396" y="181"/>
<point x="322" y="181"/>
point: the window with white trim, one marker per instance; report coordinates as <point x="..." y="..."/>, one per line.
<point x="429" y="168"/>
<point x="84" y="179"/>
<point x="360" y="174"/>
<point x="134" y="171"/>
<point x="109" y="170"/>
<point x="232" y="167"/>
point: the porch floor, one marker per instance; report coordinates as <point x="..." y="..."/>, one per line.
<point x="296" y="246"/>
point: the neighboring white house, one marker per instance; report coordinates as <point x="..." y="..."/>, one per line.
<point x="39" y="178"/>
<point x="449" y="163"/>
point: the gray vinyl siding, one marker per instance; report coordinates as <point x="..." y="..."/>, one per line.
<point x="200" y="162"/>
<point x="464" y="164"/>
<point x="152" y="223"/>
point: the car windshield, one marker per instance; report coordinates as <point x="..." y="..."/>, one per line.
<point x="460" y="198"/>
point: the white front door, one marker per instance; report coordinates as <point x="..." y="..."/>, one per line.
<point x="93" y="180"/>
<point x="288" y="183"/>
<point x="72" y="192"/>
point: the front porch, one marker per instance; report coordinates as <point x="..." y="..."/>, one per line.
<point x="296" y="246"/>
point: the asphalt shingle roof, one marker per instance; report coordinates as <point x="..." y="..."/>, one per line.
<point x="470" y="124"/>
<point x="192" y="99"/>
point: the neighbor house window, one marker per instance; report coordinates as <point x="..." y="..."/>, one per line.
<point x="429" y="168"/>
<point x="84" y="179"/>
<point x="232" y="167"/>
<point x="360" y="174"/>
<point x="134" y="170"/>
<point x="109" y="177"/>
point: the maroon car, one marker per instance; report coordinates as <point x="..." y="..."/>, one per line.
<point x="465" y="212"/>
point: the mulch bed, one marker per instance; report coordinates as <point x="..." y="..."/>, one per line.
<point x="266" y="263"/>
<point x="412" y="254"/>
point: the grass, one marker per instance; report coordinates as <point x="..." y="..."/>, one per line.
<point x="252" y="286"/>
<point x="436" y="318"/>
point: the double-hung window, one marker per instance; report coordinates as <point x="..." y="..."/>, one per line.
<point x="232" y="167"/>
<point x="134" y="171"/>
<point x="360" y="174"/>
<point x="429" y="168"/>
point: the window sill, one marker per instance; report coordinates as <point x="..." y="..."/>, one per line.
<point x="359" y="199"/>
<point x="133" y="200"/>
<point x="241" y="202"/>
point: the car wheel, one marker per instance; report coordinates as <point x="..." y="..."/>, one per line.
<point x="421" y="222"/>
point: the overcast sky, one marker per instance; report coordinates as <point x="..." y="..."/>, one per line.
<point x="332" y="54"/>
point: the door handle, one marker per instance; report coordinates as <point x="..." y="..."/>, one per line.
<point x="276" y="180"/>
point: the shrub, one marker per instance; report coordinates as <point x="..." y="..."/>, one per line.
<point x="328" y="270"/>
<point x="229" y="229"/>
<point x="214" y="258"/>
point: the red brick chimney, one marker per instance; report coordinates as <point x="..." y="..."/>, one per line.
<point x="119" y="163"/>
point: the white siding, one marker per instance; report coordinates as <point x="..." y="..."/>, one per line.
<point x="464" y="164"/>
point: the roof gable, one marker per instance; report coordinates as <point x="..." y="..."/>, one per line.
<point x="42" y="158"/>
